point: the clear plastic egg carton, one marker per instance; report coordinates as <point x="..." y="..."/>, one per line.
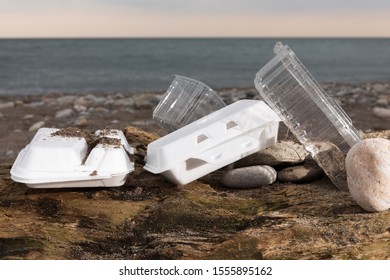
<point x="316" y="119"/>
<point x="214" y="141"/>
<point x="54" y="161"/>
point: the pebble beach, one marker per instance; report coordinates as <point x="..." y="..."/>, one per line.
<point x="274" y="204"/>
<point x="367" y="104"/>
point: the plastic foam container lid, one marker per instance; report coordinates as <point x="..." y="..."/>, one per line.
<point x="316" y="119"/>
<point x="213" y="141"/>
<point x="62" y="162"/>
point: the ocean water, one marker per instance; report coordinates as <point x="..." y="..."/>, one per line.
<point x="36" y="66"/>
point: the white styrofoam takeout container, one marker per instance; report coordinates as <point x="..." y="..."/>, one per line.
<point x="213" y="141"/>
<point x="59" y="162"/>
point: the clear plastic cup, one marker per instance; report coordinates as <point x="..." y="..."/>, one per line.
<point x="185" y="101"/>
<point x="317" y="120"/>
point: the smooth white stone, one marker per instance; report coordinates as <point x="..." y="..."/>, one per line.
<point x="36" y="126"/>
<point x="381" y="112"/>
<point x="368" y="174"/>
<point x="64" y="113"/>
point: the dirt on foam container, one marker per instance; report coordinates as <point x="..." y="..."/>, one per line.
<point x="73" y="158"/>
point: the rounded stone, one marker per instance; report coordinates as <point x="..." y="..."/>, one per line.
<point x="36" y="126"/>
<point x="66" y="100"/>
<point x="81" y="121"/>
<point x="381" y="112"/>
<point x="80" y="108"/>
<point x="368" y="174"/>
<point x="7" y="105"/>
<point x="281" y="154"/>
<point x="249" y="177"/>
<point x="308" y="172"/>
<point x="65" y="113"/>
<point x="28" y="117"/>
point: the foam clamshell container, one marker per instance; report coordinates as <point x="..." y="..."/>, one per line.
<point x="64" y="162"/>
<point x="214" y="141"/>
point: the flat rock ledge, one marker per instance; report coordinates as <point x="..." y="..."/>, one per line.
<point x="150" y="218"/>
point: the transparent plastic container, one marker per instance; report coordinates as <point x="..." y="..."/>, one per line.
<point x="185" y="101"/>
<point x="317" y="120"/>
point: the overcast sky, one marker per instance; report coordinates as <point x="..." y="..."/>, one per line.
<point x="194" y="18"/>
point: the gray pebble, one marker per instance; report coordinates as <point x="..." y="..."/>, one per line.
<point x="379" y="88"/>
<point x="282" y="153"/>
<point x="381" y="112"/>
<point x="34" y="104"/>
<point x="128" y="102"/>
<point x="97" y="100"/>
<point x="28" y="117"/>
<point x="308" y="172"/>
<point x="36" y="126"/>
<point x="146" y="101"/>
<point x="382" y="101"/>
<point x="249" y="177"/>
<point x="9" y="153"/>
<point x="81" y="121"/>
<point x="66" y="100"/>
<point x="368" y="174"/>
<point x="118" y="95"/>
<point x="64" y="113"/>
<point x="19" y="103"/>
<point x="102" y="110"/>
<point x="7" y="105"/>
<point x="80" y="108"/>
<point x="83" y="101"/>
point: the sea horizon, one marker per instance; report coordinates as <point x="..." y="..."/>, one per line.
<point x="135" y="64"/>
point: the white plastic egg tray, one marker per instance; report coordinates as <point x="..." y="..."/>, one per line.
<point x="51" y="161"/>
<point x="213" y="141"/>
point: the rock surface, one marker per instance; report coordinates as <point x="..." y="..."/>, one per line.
<point x="150" y="218"/>
<point x="368" y="174"/>
<point x="281" y="154"/>
<point x="308" y="172"/>
<point x="249" y="177"/>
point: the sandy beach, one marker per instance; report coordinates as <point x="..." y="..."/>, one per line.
<point x="140" y="220"/>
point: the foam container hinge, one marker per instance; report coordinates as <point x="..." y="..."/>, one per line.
<point x="63" y="162"/>
<point x="316" y="119"/>
<point x="213" y="141"/>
